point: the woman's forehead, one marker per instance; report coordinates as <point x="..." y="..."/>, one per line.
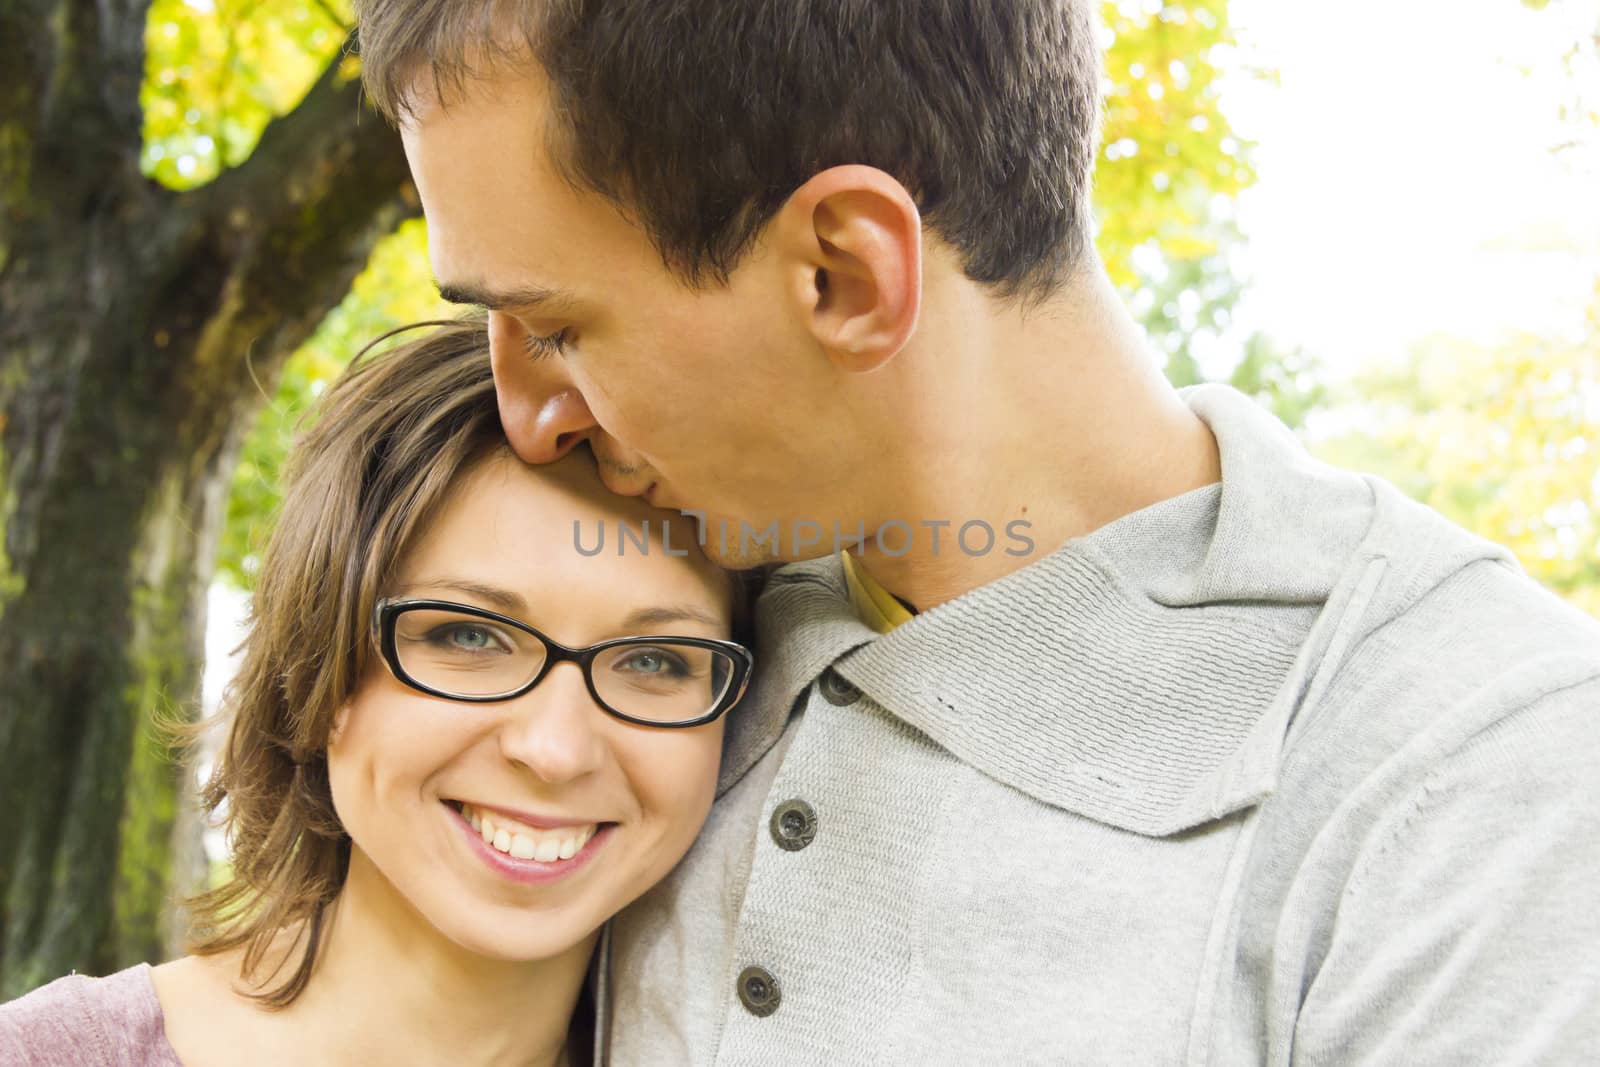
<point x="555" y="536"/>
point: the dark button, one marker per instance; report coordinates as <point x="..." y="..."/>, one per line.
<point x="793" y="825"/>
<point x="835" y="690"/>
<point x="758" y="991"/>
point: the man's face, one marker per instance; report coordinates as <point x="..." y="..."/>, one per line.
<point x="713" y="399"/>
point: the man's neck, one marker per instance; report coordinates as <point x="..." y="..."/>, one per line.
<point x="1042" y="423"/>
<point x="390" y="988"/>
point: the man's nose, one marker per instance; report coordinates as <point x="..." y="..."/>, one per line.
<point x="542" y="411"/>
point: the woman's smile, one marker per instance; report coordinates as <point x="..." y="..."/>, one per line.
<point x="522" y="852"/>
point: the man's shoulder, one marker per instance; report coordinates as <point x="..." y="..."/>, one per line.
<point x="1481" y="683"/>
<point x="1484" y="637"/>
<point x="1452" y="616"/>
<point x="1436" y="799"/>
<point x="1443" y="640"/>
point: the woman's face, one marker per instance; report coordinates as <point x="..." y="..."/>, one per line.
<point x="414" y="776"/>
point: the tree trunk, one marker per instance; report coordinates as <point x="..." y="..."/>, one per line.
<point x="140" y="329"/>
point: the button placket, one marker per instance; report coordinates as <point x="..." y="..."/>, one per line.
<point x="793" y="827"/>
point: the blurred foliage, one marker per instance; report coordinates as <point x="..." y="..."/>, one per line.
<point x="217" y="71"/>
<point x="1286" y="381"/>
<point x="1186" y="306"/>
<point x="395" y="289"/>
<point x="1502" y="438"/>
<point x="1170" y="171"/>
<point x="1580" y="65"/>
<point x="1170" y="161"/>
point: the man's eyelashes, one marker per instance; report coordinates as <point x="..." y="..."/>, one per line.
<point x="544" y="347"/>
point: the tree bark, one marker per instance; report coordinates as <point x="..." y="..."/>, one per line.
<point x="136" y="327"/>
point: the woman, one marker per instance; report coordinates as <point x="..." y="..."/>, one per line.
<point x="458" y="746"/>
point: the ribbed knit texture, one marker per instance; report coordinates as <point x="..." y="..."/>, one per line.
<point x="1283" y="771"/>
<point x="77" y="1021"/>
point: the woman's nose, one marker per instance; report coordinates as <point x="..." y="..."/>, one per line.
<point x="543" y="412"/>
<point x="554" y="729"/>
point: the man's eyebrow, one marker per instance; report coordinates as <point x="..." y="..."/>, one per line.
<point x="663" y="615"/>
<point x="528" y="298"/>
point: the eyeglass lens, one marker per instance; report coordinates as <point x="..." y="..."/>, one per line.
<point x="463" y="655"/>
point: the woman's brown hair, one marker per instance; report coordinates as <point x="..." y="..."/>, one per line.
<point x="388" y="440"/>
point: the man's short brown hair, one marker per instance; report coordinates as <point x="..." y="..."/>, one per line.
<point x="701" y="117"/>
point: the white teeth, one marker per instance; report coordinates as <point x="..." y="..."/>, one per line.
<point x="526" y="842"/>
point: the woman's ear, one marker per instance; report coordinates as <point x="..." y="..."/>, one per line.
<point x="340" y="718"/>
<point x="851" y="246"/>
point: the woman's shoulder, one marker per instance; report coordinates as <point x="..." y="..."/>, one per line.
<point x="87" y="1022"/>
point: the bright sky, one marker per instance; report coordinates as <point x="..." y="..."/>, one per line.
<point x="1407" y="182"/>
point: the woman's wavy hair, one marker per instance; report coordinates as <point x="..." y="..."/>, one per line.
<point x="388" y="440"/>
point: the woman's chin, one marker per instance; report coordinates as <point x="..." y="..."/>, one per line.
<point x="495" y="942"/>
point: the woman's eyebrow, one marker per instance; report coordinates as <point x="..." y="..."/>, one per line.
<point x="658" y="616"/>
<point x="508" y="602"/>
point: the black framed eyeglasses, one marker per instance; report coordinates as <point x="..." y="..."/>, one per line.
<point x="460" y="652"/>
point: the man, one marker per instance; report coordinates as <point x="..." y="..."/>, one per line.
<point x="1125" y="732"/>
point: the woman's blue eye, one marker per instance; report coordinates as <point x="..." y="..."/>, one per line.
<point x="465" y="638"/>
<point x="652" y="661"/>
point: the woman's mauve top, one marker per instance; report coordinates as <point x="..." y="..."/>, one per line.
<point x="87" y="1022"/>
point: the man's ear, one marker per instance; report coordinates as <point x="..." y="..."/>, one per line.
<point x="851" y="246"/>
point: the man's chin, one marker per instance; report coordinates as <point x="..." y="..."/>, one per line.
<point x="733" y="558"/>
<point x="736" y="553"/>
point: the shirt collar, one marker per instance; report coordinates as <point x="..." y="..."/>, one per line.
<point x="1143" y="675"/>
<point x="876" y="606"/>
<point x="804" y="621"/>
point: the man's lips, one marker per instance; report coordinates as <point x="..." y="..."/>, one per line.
<point x="623" y="485"/>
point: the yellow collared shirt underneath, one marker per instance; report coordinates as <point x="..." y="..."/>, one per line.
<point x="874" y="604"/>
